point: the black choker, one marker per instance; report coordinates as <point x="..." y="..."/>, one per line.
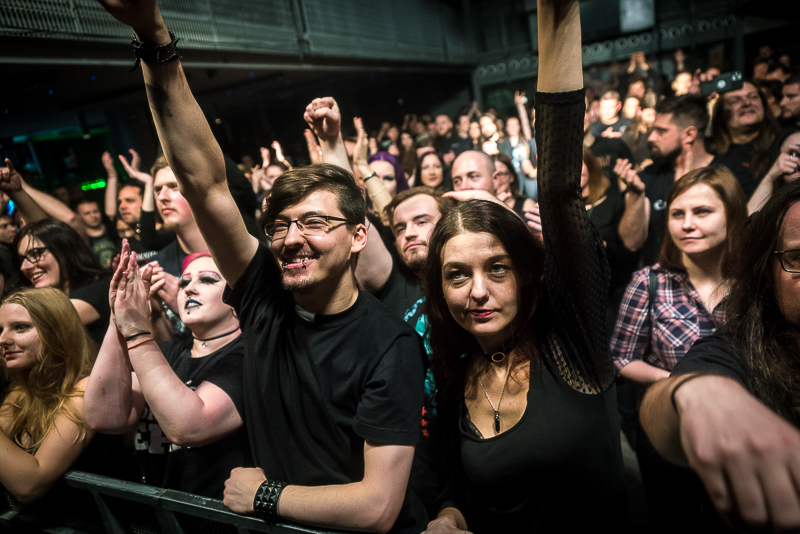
<point x="498" y="355"/>
<point x="203" y="341"/>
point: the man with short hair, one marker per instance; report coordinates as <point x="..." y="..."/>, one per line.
<point x="473" y="169"/>
<point x="103" y="238"/>
<point x="333" y="381"/>
<point x="610" y="123"/>
<point x="452" y="141"/>
<point x="677" y="146"/>
<point x="729" y="409"/>
<point x="790" y="103"/>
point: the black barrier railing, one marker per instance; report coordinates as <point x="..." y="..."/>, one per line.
<point x="107" y="505"/>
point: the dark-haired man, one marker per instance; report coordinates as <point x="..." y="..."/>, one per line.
<point x="333" y="381"/>
<point x="677" y="146"/>
<point x="729" y="410"/>
<point x="102" y="235"/>
<point x="790" y="103"/>
<point x="610" y="121"/>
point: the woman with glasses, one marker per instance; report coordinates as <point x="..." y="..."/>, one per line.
<point x="189" y="389"/>
<point x="48" y="354"/>
<point x="526" y="401"/>
<point x="52" y="254"/>
<point x="670" y="305"/>
<point x="506" y="184"/>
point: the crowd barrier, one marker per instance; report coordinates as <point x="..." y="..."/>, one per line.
<point x="100" y="505"/>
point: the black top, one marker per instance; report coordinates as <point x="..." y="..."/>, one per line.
<point x="453" y="143"/>
<point x="204" y="470"/>
<point x="152" y="239"/>
<point x="96" y="295"/>
<point x="657" y="179"/>
<point x="171" y="258"/>
<point x="607" y="151"/>
<point x="317" y="386"/>
<point x="106" y="245"/>
<point x="737" y="159"/>
<point x="712" y="355"/>
<point x="401" y="290"/>
<point x="597" y="128"/>
<point x="560" y="468"/>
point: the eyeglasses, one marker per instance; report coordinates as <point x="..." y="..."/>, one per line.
<point x="309" y="226"/>
<point x="34" y="255"/>
<point x="790" y="260"/>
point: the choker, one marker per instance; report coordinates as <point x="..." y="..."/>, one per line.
<point x="498" y="355"/>
<point x="203" y="341"/>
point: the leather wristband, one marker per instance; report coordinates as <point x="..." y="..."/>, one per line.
<point x="153" y="53"/>
<point x="265" y="503"/>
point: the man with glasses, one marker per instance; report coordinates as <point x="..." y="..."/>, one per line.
<point x="729" y="410"/>
<point x="333" y="380"/>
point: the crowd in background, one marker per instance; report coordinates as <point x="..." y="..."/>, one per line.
<point x="671" y="172"/>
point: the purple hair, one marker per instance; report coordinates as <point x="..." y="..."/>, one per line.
<point x="399" y="175"/>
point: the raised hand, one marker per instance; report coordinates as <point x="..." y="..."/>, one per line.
<point x="360" y="150"/>
<point x="534" y="220"/>
<point x="134" y="172"/>
<point x="164" y="286"/>
<point x="108" y="163"/>
<point x="787" y="165"/>
<point x="141" y="15"/>
<point x="129" y="297"/>
<point x="314" y="152"/>
<point x="625" y="172"/>
<point x="323" y="116"/>
<point x="265" y="157"/>
<point x="519" y="98"/>
<point x="10" y="179"/>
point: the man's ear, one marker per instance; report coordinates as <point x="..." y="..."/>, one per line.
<point x="689" y="135"/>
<point x="359" y="238"/>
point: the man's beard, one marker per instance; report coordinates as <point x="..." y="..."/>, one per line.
<point x="301" y="287"/>
<point x="416" y="261"/>
<point x="660" y="158"/>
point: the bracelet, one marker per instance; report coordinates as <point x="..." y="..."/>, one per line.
<point x="678" y="385"/>
<point x="142" y="342"/>
<point x="373" y="175"/>
<point x="153" y="53"/>
<point x="265" y="503"/>
<point x="137" y="334"/>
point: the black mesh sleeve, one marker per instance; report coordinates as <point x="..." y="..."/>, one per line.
<point x="576" y="269"/>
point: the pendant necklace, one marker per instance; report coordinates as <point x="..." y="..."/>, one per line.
<point x="203" y="341"/>
<point x="496" y="410"/>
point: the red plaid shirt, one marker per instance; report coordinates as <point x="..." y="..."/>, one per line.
<point x="661" y="334"/>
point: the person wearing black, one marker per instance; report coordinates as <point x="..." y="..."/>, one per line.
<point x="332" y="380"/>
<point x="529" y="414"/>
<point x="677" y="143"/>
<point x="728" y="410"/>
<point x="610" y="121"/>
<point x="188" y="412"/>
<point x="102" y="232"/>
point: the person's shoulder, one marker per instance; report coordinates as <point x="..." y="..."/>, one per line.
<point x="381" y="318"/>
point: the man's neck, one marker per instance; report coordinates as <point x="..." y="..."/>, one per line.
<point x="610" y="122"/>
<point x="334" y="296"/>
<point x="190" y="239"/>
<point x="693" y="157"/>
<point x="98" y="231"/>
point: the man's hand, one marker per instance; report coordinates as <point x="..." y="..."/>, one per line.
<point x="108" y="163"/>
<point x="323" y="116"/>
<point x="490" y="147"/>
<point x="625" y="172"/>
<point x="241" y="488"/>
<point x="132" y="168"/>
<point x="611" y="134"/>
<point x="747" y="456"/>
<point x="279" y="153"/>
<point x="314" y="152"/>
<point x="444" y="525"/>
<point x="10" y="179"/>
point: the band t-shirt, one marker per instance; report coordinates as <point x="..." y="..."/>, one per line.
<point x="204" y="470"/>
<point x="317" y="386"/>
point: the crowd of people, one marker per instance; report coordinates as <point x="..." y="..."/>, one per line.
<point x="440" y="326"/>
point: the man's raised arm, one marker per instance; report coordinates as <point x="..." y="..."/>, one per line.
<point x="191" y="150"/>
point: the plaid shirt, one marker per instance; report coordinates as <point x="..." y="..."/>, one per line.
<point x="661" y="334"/>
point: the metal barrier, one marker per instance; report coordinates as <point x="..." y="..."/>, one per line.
<point x="108" y="505"/>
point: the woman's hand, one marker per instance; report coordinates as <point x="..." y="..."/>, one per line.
<point x="108" y="164"/>
<point x="132" y="168"/>
<point x="131" y="304"/>
<point x="279" y="154"/>
<point x="360" y="150"/>
<point x="444" y="525"/>
<point x="787" y="165"/>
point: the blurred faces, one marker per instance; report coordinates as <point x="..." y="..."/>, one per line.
<point x="463" y="126"/>
<point x="39" y="265"/>
<point x="665" y="139"/>
<point x="200" y="296"/>
<point x="488" y="127"/>
<point x="631" y="108"/>
<point x="512" y="127"/>
<point x="743" y="108"/>
<point x="19" y="339"/>
<point x="89" y="212"/>
<point x="407" y="141"/>
<point x="790" y="103"/>
<point x="608" y="110"/>
<point x="129" y="200"/>
<point x="414" y="220"/>
<point x="760" y="71"/>
<point x="481" y="287"/>
<point x="443" y="125"/>
<point x="473" y="170"/>
<point x="697" y="221"/>
<point x="502" y="178"/>
<point x="8" y="230"/>
<point x="637" y="89"/>
<point x="432" y="172"/>
<point x="271" y="174"/>
<point x="787" y="285"/>
<point x="649" y="117"/>
<point x="170" y="203"/>
<point x="682" y="83"/>
<point x="386" y="173"/>
<point x="393" y="133"/>
<point x="474" y="130"/>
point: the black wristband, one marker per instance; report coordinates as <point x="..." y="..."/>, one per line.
<point x="373" y="175"/>
<point x="153" y="53"/>
<point x="137" y="334"/>
<point x="265" y="503"/>
<point x="678" y="385"/>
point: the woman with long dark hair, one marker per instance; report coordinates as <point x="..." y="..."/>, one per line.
<point x="517" y="331"/>
<point x="432" y="171"/>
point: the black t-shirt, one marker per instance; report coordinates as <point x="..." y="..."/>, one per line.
<point x="401" y="290"/>
<point x="454" y="143"/>
<point x="658" y="179"/>
<point x="608" y="151"/>
<point x="106" y="245"/>
<point x="171" y="258"/>
<point x="712" y="355"/>
<point x="96" y="295"/>
<point x="597" y="128"/>
<point x="317" y="386"/>
<point x="737" y="160"/>
<point x="203" y="470"/>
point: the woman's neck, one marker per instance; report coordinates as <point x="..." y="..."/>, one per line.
<point x="705" y="267"/>
<point x="218" y="331"/>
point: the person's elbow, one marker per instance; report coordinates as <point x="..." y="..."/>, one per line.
<point x="383" y="513"/>
<point x="31" y="490"/>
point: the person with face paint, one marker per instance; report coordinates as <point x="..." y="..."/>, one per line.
<point x="188" y="389"/>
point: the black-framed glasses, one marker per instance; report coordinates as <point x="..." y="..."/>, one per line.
<point x="790" y="260"/>
<point x="309" y="225"/>
<point x="34" y="255"/>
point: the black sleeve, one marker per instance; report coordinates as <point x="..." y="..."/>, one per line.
<point x="244" y="197"/>
<point x="151" y="238"/>
<point x="712" y="355"/>
<point x="95" y="295"/>
<point x="258" y="290"/>
<point x="576" y="271"/>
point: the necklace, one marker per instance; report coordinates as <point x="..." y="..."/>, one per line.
<point x="496" y="410"/>
<point x="203" y="341"/>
